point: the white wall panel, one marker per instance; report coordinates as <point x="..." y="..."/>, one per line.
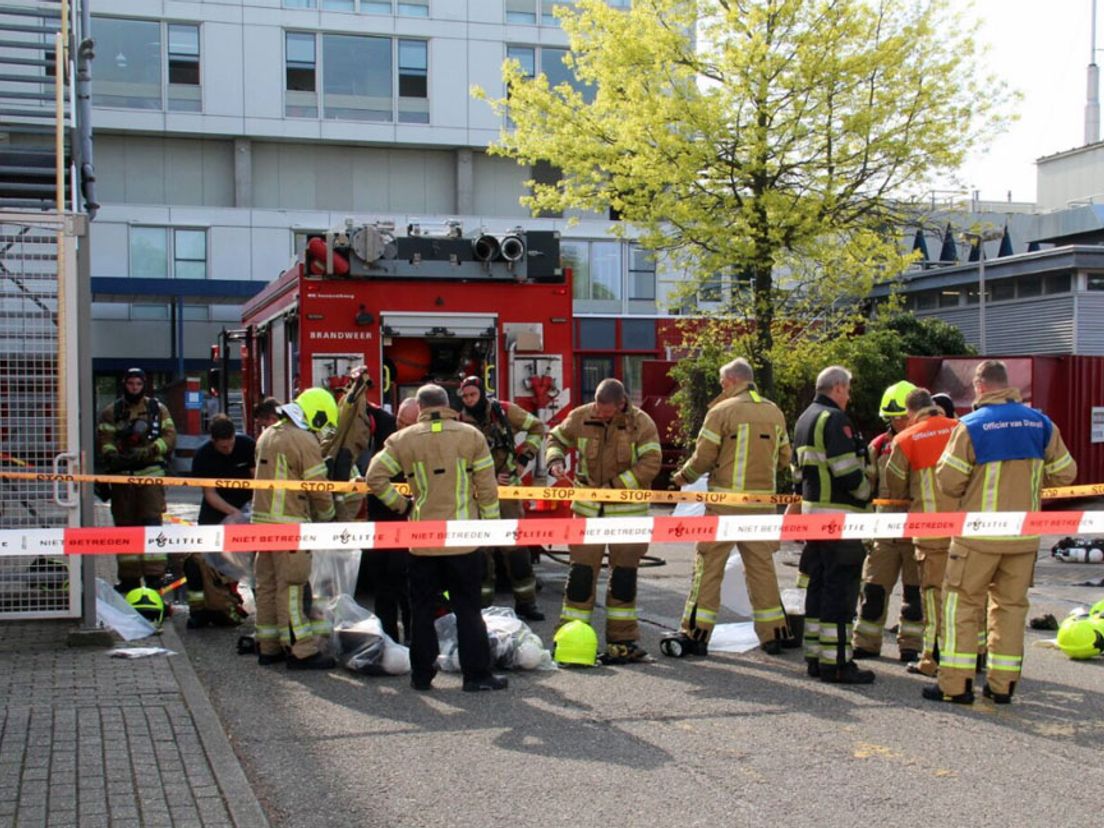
<point x="109" y="248"/>
<point x="223" y="91"/>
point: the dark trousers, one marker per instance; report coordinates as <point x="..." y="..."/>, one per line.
<point x="835" y="574"/>
<point x="460" y="576"/>
<point x="385" y="572"/>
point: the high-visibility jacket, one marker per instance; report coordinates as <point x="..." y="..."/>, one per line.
<point x="831" y="470"/>
<point x="449" y="467"/>
<point x="287" y="452"/>
<point x="117" y="433"/>
<point x="878" y="453"/>
<point x="998" y="458"/>
<point x="620" y="453"/>
<point x="742" y="445"/>
<point x="500" y="433"/>
<point x="910" y="472"/>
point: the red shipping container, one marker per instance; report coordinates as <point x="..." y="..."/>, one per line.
<point x="1068" y="389"/>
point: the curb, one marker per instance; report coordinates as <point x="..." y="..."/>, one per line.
<point x="244" y="807"/>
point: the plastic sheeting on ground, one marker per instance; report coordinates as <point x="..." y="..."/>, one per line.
<point x="513" y="645"/>
<point x="114" y="612"/>
<point x="733" y="638"/>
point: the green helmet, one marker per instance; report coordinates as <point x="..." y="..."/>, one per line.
<point x="149" y="604"/>
<point x="1097" y="609"/>
<point x="319" y="408"/>
<point x="1081" y="638"/>
<point x="893" y="400"/>
<point x="576" y="643"/>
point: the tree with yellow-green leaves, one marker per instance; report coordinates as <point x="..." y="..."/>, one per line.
<point x="777" y="142"/>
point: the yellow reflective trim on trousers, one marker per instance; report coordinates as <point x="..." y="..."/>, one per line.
<point x="688" y="609"/>
<point x="929" y="619"/>
<point x="300" y="626"/>
<point x="866" y="627"/>
<point x="573" y="614"/>
<point x="463" y="493"/>
<point x="704" y="616"/>
<point x="621" y="613"/>
<point x="914" y="628"/>
<point x="927" y="490"/>
<point x="422" y="480"/>
<point x="802" y="581"/>
<point x="958" y="661"/>
<point x="279" y="496"/>
<point x="989" y="487"/>
<point x="267" y="632"/>
<point x="739" y="477"/>
<point x="950" y="613"/>
<point x="1005" y="662"/>
<point x="769" y="614"/>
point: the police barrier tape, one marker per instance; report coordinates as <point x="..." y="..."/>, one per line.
<point x="552" y="493"/>
<point x="138" y="540"/>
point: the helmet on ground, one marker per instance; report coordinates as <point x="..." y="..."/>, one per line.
<point x="576" y="643"/>
<point x="1081" y="638"/>
<point x="319" y="408"/>
<point x="893" y="400"/>
<point x="1097" y="609"/>
<point x="149" y="604"/>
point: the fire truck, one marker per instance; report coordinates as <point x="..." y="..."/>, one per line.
<point x="427" y="306"/>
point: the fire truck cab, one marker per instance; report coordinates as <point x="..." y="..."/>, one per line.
<point x="416" y="308"/>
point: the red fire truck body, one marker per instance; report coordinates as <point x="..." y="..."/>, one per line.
<point x="416" y="309"/>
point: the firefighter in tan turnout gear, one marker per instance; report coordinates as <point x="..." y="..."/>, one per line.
<point x="135" y="436"/>
<point x="289" y="450"/>
<point x="998" y="459"/>
<point x="449" y="467"/>
<point x="617" y="446"/>
<point x="889" y="557"/>
<point x="500" y="422"/>
<point x="742" y="446"/>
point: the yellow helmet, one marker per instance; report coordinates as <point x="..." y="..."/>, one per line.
<point x="319" y="408"/>
<point x="1081" y="637"/>
<point x="149" y="604"/>
<point x="893" y="400"/>
<point x="576" y="643"/>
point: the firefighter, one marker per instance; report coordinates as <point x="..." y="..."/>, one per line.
<point x="889" y="557"/>
<point x="910" y="475"/>
<point x="500" y="422"/>
<point x="618" y="448"/>
<point x="135" y="436"/>
<point x="832" y="475"/>
<point x="742" y="446"/>
<point x="450" y="469"/>
<point x="407" y="414"/>
<point x="998" y="459"/>
<point x="362" y="429"/>
<point x="289" y="450"/>
<point x="212" y="597"/>
<point x="265" y="413"/>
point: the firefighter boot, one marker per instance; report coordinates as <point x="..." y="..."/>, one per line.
<point x="488" y="682"/>
<point x="849" y="673"/>
<point x="317" y="661"/>
<point x="933" y="693"/>
<point x="999" y="698"/>
<point x="680" y="645"/>
<point x="624" y="652"/>
<point x="528" y="611"/>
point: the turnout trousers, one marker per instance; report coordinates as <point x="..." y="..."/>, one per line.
<point x="834" y="569"/>
<point x="139" y="506"/>
<point x="282" y="595"/>
<point x="582" y="586"/>
<point x="888" y="560"/>
<point x="704" y="600"/>
<point x="459" y="575"/>
<point x="972" y="577"/>
<point x="518" y="562"/>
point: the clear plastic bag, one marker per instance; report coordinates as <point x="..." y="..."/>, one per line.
<point x="113" y="611"/>
<point x="359" y="642"/>
<point x="513" y="645"/>
<point x="334" y="573"/>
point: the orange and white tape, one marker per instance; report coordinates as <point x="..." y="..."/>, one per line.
<point x="137" y="540"/>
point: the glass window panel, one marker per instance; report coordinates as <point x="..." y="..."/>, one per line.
<point x="925" y="301"/>
<point x="1095" y="282"/>
<point x="148" y="312"/>
<point x="638" y="335"/>
<point x="413" y="81"/>
<point x="526" y="56"/>
<point x="521" y="11"/>
<point x="149" y="252"/>
<point x="573" y="254"/>
<point x="605" y="270"/>
<point x="184" y="72"/>
<point x="226" y="313"/>
<point x="1001" y="291"/>
<point x="413" y="9"/>
<point x="191" y="244"/>
<point x="597" y="334"/>
<point x="356" y="78"/>
<point x="188" y="269"/>
<point x="642" y="273"/>
<point x="298" y="4"/>
<point x="110" y="310"/>
<point x="375" y="7"/>
<point x="949" y="298"/>
<point x="195" y="313"/>
<point x="301" y="100"/>
<point x="128" y="67"/>
<point x="711" y="288"/>
<point x="1029" y="286"/>
<point x="591" y="372"/>
<point x="1056" y="283"/>
<point x="339" y="5"/>
<point x="548" y="8"/>
<point x="632" y="373"/>
<point x="183" y="40"/>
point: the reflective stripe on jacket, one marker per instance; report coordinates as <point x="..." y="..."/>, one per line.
<point x="998" y="459"/>
<point x="742" y="445"/>
<point x="449" y="467"/>
<point x="520" y="422"/>
<point x="287" y="452"/>
<point x="910" y="472"/>
<point x="155" y="451"/>
<point x="620" y="453"/>
<point x="831" y="467"/>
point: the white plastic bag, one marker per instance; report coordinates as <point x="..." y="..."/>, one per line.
<point x="513" y="645"/>
<point x="334" y="573"/>
<point x="734" y="594"/>
<point x="113" y="611"/>
<point x="359" y="642"/>
<point x="733" y="638"/>
<point x="693" y="509"/>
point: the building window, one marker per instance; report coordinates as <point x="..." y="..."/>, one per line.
<point x="114" y="311"/>
<point x="632" y="375"/>
<point x="1056" y="283"/>
<point x="638" y="335"/>
<point x="128" y="71"/>
<point x="301" y="97"/>
<point x="298" y="4"/>
<point x="1095" y="282"/>
<point x="548" y="9"/>
<point x="711" y="289"/>
<point x="553" y="66"/>
<point x="596" y="269"/>
<point x="414" y="8"/>
<point x="1029" y="286"/>
<point x="592" y="370"/>
<point x="184" y="89"/>
<point x="149" y="253"/>
<point x="226" y="313"/>
<point x="1001" y="291"/>
<point x="642" y="274"/>
<point x="195" y="313"/>
<point x="521" y="11"/>
<point x="926" y="300"/>
<point x="363" y="78"/>
<point x="597" y="334"/>
<point x="149" y="312"/>
<point x="949" y="298"/>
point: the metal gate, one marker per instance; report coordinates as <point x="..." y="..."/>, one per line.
<point x="38" y="417"/>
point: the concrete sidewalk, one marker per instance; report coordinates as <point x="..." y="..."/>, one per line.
<point x="90" y="740"/>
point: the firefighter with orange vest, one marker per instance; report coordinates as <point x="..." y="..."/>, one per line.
<point x="289" y="450"/>
<point x="500" y="421"/>
<point x="998" y="459"/>
<point x="910" y="475"/>
<point x="743" y="445"/>
<point x="618" y="448"/>
<point x="890" y="557"/>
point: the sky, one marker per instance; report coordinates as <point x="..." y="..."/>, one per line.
<point x="1041" y="49"/>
